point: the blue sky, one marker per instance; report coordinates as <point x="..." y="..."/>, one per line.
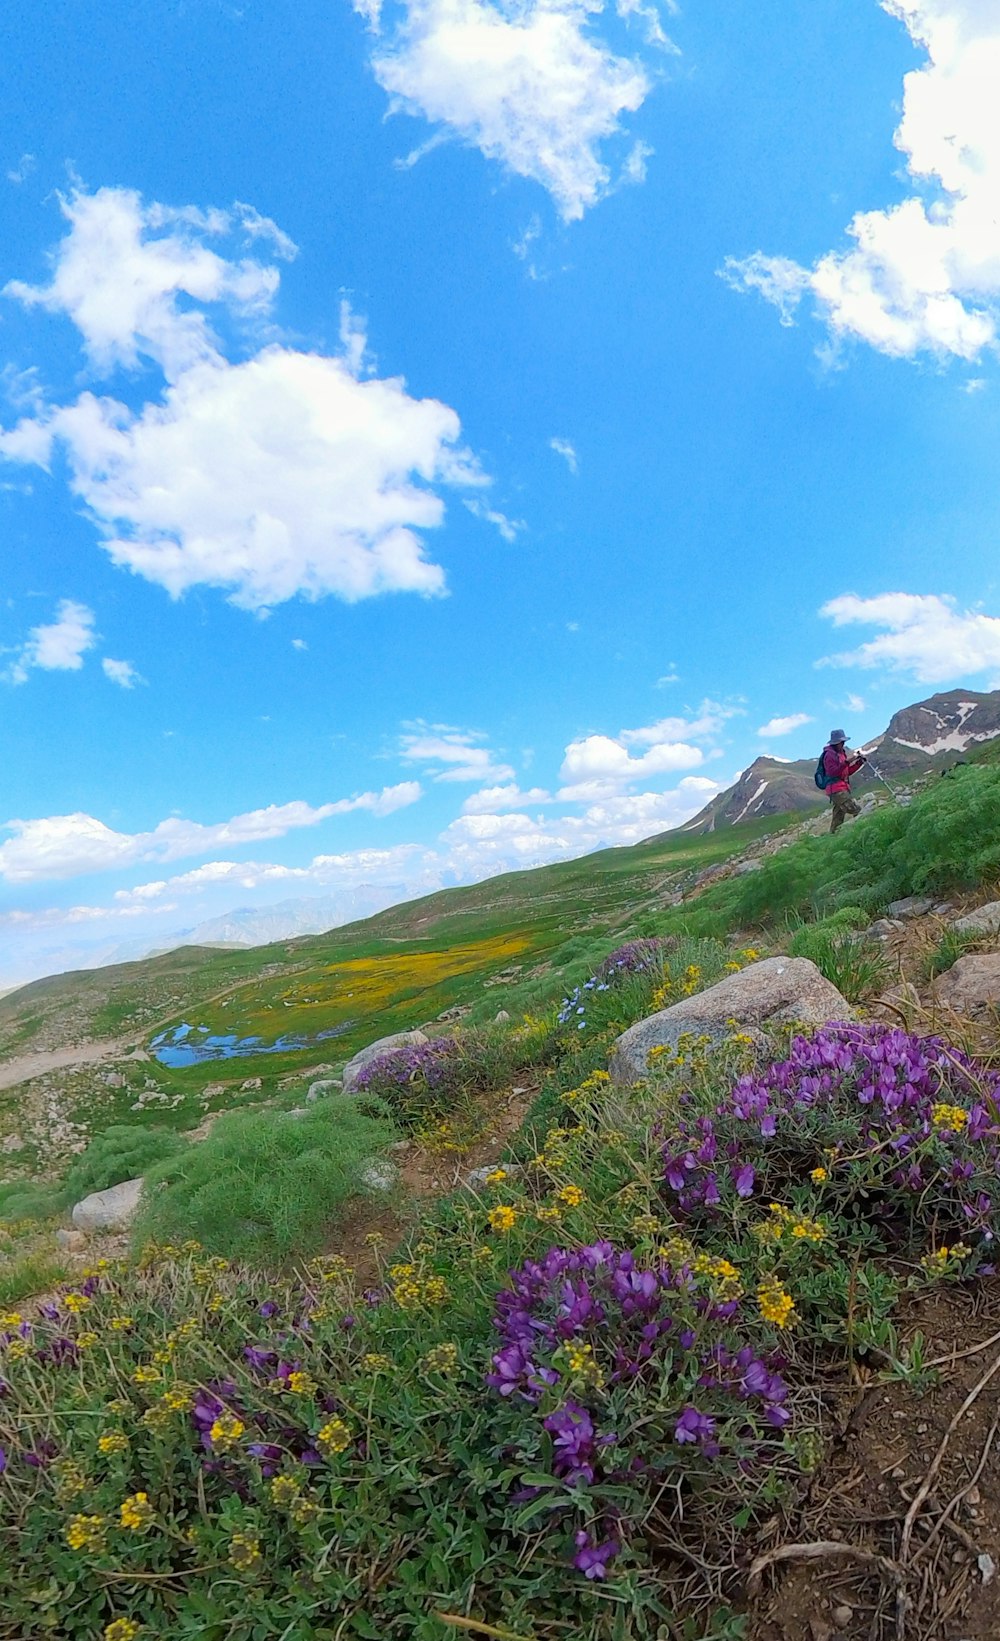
<point x="448" y="437"/>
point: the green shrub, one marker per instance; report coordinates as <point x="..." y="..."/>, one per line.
<point x="264" y="1186"/>
<point x="953" y="944"/>
<point x="857" y="967"/>
<point x="120" y="1153"/>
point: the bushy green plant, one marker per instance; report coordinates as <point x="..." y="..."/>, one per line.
<point x="953" y="944"/>
<point x="857" y="967"/>
<point x="264" y="1186"/>
<point x="121" y="1152"/>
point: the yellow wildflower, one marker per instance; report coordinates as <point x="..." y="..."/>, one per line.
<point x="304" y="1511"/>
<point x="17" y="1349"/>
<point x="333" y="1438"/>
<point x="441" y="1359"/>
<point x="818" y="1175"/>
<point x="776" y="1304"/>
<point x="285" y="1490"/>
<point x="76" y="1302"/>
<point x="303" y="1384"/>
<point x="85" y="1533"/>
<point x="435" y="1290"/>
<point x="548" y="1215"/>
<point x="951" y="1117"/>
<point x="146" y="1374"/>
<point x="571" y="1195"/>
<point x="11" y="1319"/>
<point x="86" y="1341"/>
<point x="114" y="1442"/>
<point x="118" y="1324"/>
<point x="69" y="1479"/>
<point x="244" y="1552"/>
<point x="226" y="1431"/>
<point x="122" y="1629"/>
<point x="579" y="1359"/>
<point x="375" y="1361"/>
<point x="502" y="1218"/>
<point x="178" y="1399"/>
<point x="137" y="1512"/>
<point x="496" y="1176"/>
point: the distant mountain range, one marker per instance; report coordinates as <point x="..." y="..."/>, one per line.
<point x="931" y="734"/>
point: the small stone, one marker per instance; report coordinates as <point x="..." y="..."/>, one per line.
<point x="909" y="906"/>
<point x="379" y="1176"/>
<point x="71" y="1242"/>
<point x="922" y="1429"/>
<point x="325" y="1085"/>
<point x="842" y="1615"/>
<point x="973" y="1496"/>
<point x="250" y="1084"/>
<point x="819" y="1630"/>
<point x="502" y="1018"/>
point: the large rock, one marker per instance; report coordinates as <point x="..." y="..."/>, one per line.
<point x="910" y="906"/>
<point x="374" y="1051"/>
<point x="984" y="920"/>
<point x="109" y="1210"/>
<point x="775" y="991"/>
<point x="972" y="985"/>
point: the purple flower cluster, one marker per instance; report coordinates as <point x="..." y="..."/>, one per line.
<point x="864" y="1093"/>
<point x="429" y="1063"/>
<point x="627" y="1316"/>
<point x="636" y="957"/>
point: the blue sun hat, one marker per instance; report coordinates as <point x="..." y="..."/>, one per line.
<point x="837" y="737"/>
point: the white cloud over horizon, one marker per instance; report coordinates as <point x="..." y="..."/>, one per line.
<point x="65" y="846"/>
<point x="922" y="275"/>
<point x="532" y="85"/>
<point x="599" y="767"/>
<point x="925" y="635"/>
<point x="122" y="673"/>
<point x="278" y="475"/>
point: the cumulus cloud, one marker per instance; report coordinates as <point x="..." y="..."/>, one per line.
<point x="492" y="799"/>
<point x="56" y="646"/>
<point x="530" y="84"/>
<point x="63" y="846"/>
<point x="785" y="726"/>
<point x="476" y="844"/>
<point x="567" y="451"/>
<point x="922" y="275"/>
<point x="458" y="754"/>
<point x="122" y="673"/>
<point x="598" y="766"/>
<point x="281" y="474"/>
<point x="925" y="635"/>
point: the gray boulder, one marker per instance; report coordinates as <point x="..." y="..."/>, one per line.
<point x="984" y="920"/>
<point x="775" y="991"/>
<point x="374" y="1051"/>
<point x="110" y="1210"/>
<point x="884" y="928"/>
<point x="910" y="906"/>
<point x="325" y="1085"/>
<point x="971" y="986"/>
<point x="379" y="1176"/>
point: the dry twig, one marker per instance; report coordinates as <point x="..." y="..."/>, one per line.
<point x="936" y="1462"/>
<point x="815" y="1552"/>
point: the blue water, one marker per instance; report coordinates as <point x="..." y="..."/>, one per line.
<point x="191" y="1045"/>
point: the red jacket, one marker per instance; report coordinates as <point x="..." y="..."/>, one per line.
<point x="839" y="768"/>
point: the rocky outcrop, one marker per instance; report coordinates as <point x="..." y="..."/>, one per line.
<point x="971" y="986"/>
<point x="774" y="991"/>
<point x="985" y="920"/>
<point x="110" y="1210"/>
<point x="374" y="1051"/>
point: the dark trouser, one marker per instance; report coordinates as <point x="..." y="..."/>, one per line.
<point x="842" y="805"/>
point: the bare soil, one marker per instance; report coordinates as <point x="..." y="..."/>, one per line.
<point x="870" y="1580"/>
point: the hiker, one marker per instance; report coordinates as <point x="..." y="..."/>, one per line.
<point x="838" y="767"/>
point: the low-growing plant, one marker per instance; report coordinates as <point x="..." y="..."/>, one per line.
<point x="946" y="951"/>
<point x="264" y="1186"/>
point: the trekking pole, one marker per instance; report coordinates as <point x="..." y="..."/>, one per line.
<point x="880" y="777"/>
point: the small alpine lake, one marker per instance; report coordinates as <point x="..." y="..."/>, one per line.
<point x="187" y="1045"/>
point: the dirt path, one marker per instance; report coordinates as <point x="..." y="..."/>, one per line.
<point x="26" y="1066"/>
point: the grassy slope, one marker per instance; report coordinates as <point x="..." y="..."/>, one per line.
<point x="403" y="966"/>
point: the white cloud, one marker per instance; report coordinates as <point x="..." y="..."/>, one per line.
<point x="563" y="448"/>
<point x="123" y="265"/>
<point x="925" y="635"/>
<point x="671" y="676"/>
<point x="23" y="169"/>
<point x="57" y="646"/>
<point x="299" y="644"/>
<point x="530" y="84"/>
<point x="63" y="846"/>
<point x="785" y="726"/>
<point x="599" y="766"/>
<point x="477" y="844"/>
<point x="122" y="673"/>
<point x="855" y="703"/>
<point x="492" y="799"/>
<point x="283" y="474"/>
<point x="922" y="275"/>
<point x="458" y="750"/>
